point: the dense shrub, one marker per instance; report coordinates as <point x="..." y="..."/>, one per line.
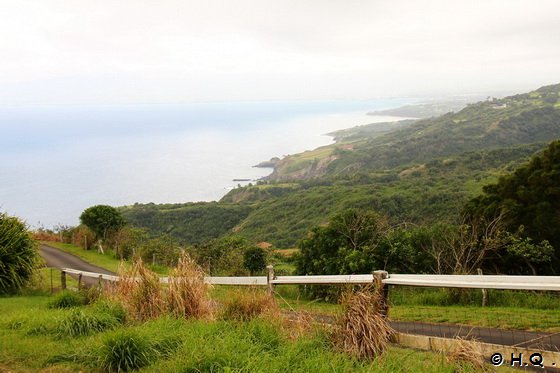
<point x="18" y="254"/>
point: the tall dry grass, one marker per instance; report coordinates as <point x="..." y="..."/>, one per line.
<point x="248" y="304"/>
<point x="139" y="291"/>
<point x="188" y="294"/>
<point x="467" y="352"/>
<point x="362" y="330"/>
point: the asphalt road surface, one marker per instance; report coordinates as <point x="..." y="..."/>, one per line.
<point x="520" y="338"/>
<point x="56" y="258"/>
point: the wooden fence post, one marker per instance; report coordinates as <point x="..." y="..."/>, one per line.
<point x="269" y="278"/>
<point x="63" y="280"/>
<point x="378" y="277"/>
<point x="484" y="291"/>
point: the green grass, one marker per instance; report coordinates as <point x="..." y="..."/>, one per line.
<point x="165" y="345"/>
<point x="507" y="309"/>
<point x="494" y="317"/>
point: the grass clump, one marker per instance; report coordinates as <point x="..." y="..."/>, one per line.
<point x="244" y="305"/>
<point x="362" y="331"/>
<point x="66" y="299"/>
<point x="124" y="351"/>
<point x="129" y="349"/>
<point x="114" y="309"/>
<point x="467" y="353"/>
<point x="188" y="293"/>
<point x="79" y="323"/>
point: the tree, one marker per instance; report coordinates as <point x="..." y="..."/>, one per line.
<point x="348" y="244"/>
<point x="102" y="219"/>
<point x="18" y="254"/>
<point x="254" y="259"/>
<point x="463" y="248"/>
<point x="528" y="200"/>
<point x="222" y="256"/>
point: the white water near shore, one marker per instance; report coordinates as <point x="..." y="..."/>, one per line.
<point x="49" y="174"/>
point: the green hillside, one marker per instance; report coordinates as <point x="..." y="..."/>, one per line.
<point x="521" y="119"/>
<point x="412" y="171"/>
<point x="190" y="222"/>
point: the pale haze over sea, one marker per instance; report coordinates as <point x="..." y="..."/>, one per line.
<point x="55" y="161"/>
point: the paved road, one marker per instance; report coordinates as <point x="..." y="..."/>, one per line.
<point x="538" y="341"/>
<point x="56" y="258"/>
<point x="520" y="338"/>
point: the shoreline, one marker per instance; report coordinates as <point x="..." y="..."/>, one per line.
<point x="276" y="161"/>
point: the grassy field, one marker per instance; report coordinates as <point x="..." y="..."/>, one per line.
<point x="34" y="338"/>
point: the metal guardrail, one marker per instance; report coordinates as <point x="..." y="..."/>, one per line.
<point x="549" y="283"/>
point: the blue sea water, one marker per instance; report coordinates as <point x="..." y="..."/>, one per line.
<point x="55" y="161"/>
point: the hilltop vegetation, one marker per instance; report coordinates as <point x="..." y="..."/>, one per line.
<point x="414" y="171"/>
<point x="204" y="221"/>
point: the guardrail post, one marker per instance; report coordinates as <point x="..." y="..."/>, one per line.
<point x="378" y="277"/>
<point x="63" y="280"/>
<point x="100" y="278"/>
<point x="269" y="278"/>
<point x="80" y="281"/>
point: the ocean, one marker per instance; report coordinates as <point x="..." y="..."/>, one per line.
<point x="55" y="161"/>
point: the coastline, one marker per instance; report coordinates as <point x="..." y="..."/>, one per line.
<point x="318" y="154"/>
<point x="189" y="159"/>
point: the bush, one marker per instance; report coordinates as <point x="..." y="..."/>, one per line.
<point x="18" y="254"/>
<point x="66" y="299"/>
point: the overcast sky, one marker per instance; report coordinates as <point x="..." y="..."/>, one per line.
<point x="139" y="51"/>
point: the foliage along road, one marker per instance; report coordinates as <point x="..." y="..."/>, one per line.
<point x="56" y="258"/>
